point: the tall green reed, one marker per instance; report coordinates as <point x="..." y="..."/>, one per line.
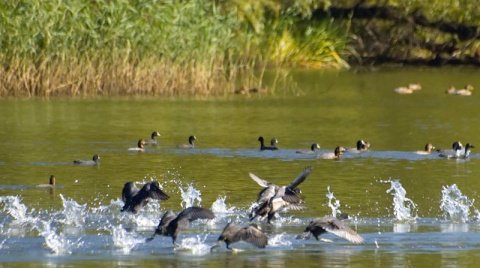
<point x="140" y="47"/>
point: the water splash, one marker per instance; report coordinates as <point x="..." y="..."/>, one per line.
<point x="403" y="206"/>
<point x="124" y="240"/>
<point x="279" y="240"/>
<point x="73" y="213"/>
<point x="13" y="206"/>
<point x="219" y="206"/>
<point x="196" y="245"/>
<point x="336" y="203"/>
<point x="189" y="196"/>
<point x="454" y="204"/>
<point x="57" y="243"/>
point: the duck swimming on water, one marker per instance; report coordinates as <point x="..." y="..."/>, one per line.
<point x="51" y="183"/>
<point x="153" y="139"/>
<point x="456" y="151"/>
<point x="313" y="147"/>
<point x="273" y="143"/>
<point x="92" y="162"/>
<point x="428" y="149"/>
<point x="361" y="147"/>
<point x="467" y="91"/>
<point x="466" y="153"/>
<point x="140" y="146"/>
<point x="190" y="144"/>
<point x="337" y="153"/>
<point x="408" y="89"/>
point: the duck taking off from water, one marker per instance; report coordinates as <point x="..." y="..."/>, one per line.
<point x="332" y="225"/>
<point x="251" y="234"/>
<point x="171" y="224"/>
<point x="135" y="199"/>
<point x="273" y="198"/>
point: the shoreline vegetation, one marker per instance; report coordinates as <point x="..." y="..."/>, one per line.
<point x="154" y="48"/>
<point x="195" y="48"/>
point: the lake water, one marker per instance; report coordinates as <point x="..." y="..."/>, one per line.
<point x="411" y="210"/>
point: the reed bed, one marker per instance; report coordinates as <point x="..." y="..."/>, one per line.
<point x="164" y="48"/>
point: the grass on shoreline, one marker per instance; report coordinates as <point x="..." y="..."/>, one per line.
<point x="164" y="48"/>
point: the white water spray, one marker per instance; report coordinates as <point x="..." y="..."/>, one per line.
<point x="220" y="207"/>
<point x="13" y="206"/>
<point x="335" y="206"/>
<point x="190" y="196"/>
<point x="455" y="205"/>
<point x="57" y="243"/>
<point x="73" y="213"/>
<point x="195" y="245"/>
<point x="124" y="240"/>
<point x="403" y="207"/>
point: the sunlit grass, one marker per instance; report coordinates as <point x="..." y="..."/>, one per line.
<point x="167" y="48"/>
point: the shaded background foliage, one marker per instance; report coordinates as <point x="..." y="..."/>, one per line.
<point x="434" y="32"/>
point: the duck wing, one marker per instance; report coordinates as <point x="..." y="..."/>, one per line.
<point x="267" y="193"/>
<point x="260" y="181"/>
<point x="187" y="215"/>
<point x="152" y="190"/>
<point x="162" y="225"/>
<point x="194" y="213"/>
<point x="300" y="178"/>
<point x="129" y="191"/>
<point x="252" y="235"/>
<point x="149" y="190"/>
<point x="287" y="195"/>
<point x="335" y="226"/>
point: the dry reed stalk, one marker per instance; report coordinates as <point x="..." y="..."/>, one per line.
<point x="90" y="79"/>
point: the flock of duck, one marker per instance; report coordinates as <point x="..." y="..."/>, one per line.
<point x="271" y="199"/>
<point x="409" y="89"/>
<point x="458" y="150"/>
